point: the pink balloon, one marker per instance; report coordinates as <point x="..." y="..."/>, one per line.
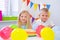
<point x="38" y="30"/>
<point x="5" y="32"/>
<point x="0" y="33"/>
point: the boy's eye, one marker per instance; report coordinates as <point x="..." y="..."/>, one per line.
<point x="42" y="15"/>
<point x="46" y="15"/>
<point x="25" y="16"/>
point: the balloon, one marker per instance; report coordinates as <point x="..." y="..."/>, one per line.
<point x="19" y="34"/>
<point x="5" y="32"/>
<point x="0" y="33"/>
<point x="38" y="30"/>
<point x="13" y="26"/>
<point x="47" y="33"/>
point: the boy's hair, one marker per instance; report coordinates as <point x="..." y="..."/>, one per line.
<point x="44" y="9"/>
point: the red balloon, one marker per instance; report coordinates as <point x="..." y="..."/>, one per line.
<point x="38" y="30"/>
<point x="0" y="33"/>
<point x="5" y="32"/>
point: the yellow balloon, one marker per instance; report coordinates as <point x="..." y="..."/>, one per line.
<point x="19" y="34"/>
<point x="47" y="33"/>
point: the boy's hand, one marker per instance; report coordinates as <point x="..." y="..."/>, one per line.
<point x="50" y="26"/>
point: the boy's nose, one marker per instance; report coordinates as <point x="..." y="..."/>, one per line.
<point x="44" y="16"/>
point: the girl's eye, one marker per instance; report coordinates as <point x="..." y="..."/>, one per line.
<point x="25" y="16"/>
<point x="21" y="16"/>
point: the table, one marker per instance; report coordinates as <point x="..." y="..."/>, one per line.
<point x="29" y="38"/>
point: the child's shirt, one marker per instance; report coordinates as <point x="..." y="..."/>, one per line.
<point x="39" y="22"/>
<point x="24" y="27"/>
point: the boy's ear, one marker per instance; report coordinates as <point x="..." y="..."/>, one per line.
<point x="49" y="14"/>
<point x="39" y="15"/>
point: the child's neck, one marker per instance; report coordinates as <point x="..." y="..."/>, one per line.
<point x="23" y="23"/>
<point x="43" y="21"/>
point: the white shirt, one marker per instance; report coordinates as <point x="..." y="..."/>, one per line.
<point x="39" y="22"/>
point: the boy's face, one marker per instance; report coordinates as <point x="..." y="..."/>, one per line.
<point x="44" y="16"/>
<point x="23" y="18"/>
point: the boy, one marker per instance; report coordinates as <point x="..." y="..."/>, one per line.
<point x="43" y="19"/>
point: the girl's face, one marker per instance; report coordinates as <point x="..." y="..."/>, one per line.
<point x="23" y="18"/>
<point x="44" y="16"/>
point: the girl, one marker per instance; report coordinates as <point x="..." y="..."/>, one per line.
<point x="24" y="20"/>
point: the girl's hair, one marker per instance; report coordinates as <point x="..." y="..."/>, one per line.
<point x="28" y="19"/>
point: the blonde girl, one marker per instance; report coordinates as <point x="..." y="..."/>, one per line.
<point x="24" y="20"/>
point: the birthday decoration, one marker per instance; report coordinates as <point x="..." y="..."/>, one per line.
<point x="44" y="5"/>
<point x="47" y="33"/>
<point x="31" y="4"/>
<point x="35" y="5"/>
<point x="39" y="6"/>
<point x="5" y="32"/>
<point x="28" y="2"/>
<point x="38" y="30"/>
<point x="33" y="19"/>
<point x="48" y="6"/>
<point x="23" y="0"/>
<point x="19" y="34"/>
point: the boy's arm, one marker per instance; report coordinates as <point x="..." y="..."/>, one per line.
<point x="51" y="24"/>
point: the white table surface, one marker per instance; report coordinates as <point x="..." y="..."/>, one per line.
<point x="29" y="38"/>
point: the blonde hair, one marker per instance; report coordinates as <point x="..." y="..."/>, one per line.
<point x="46" y="10"/>
<point x="28" y="19"/>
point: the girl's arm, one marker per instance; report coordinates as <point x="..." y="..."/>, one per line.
<point x="30" y="26"/>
